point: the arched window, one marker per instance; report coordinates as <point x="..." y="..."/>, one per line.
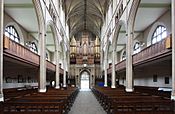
<point x="159" y="34"/>
<point x="136" y="47"/>
<point x="47" y="56"/>
<point x="11" y="32"/>
<point x="124" y="55"/>
<point x="33" y="47"/>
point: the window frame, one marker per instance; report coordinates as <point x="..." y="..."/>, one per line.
<point x="123" y="55"/>
<point x="136" y="49"/>
<point x="159" y="33"/>
<point x="12" y="33"/>
<point x="33" y="47"/>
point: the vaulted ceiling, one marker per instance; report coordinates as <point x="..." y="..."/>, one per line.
<point x="85" y="15"/>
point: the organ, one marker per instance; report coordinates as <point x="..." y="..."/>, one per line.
<point x="85" y="49"/>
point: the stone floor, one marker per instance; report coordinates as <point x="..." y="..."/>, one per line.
<point x="86" y="103"/>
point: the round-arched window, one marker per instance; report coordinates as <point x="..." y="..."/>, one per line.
<point x="47" y="56"/>
<point x="124" y="55"/>
<point x="159" y="34"/>
<point x="136" y="47"/>
<point x="33" y="47"/>
<point x="11" y="32"/>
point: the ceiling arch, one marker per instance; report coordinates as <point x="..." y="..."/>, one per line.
<point x="85" y="15"/>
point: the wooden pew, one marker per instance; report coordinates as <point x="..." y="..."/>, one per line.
<point x="117" y="101"/>
<point x="17" y="92"/>
<point x="33" y="107"/>
<point x="52" y="102"/>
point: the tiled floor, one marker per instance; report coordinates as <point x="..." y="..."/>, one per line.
<point x="86" y="103"/>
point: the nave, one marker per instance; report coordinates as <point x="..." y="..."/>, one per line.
<point x="86" y="103"/>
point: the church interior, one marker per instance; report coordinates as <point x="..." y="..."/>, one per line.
<point x="87" y="56"/>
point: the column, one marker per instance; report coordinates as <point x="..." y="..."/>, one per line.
<point x="173" y="48"/>
<point x="42" y="75"/>
<point x="64" y="68"/>
<point x="113" y="70"/>
<point x="76" y="80"/>
<point x="1" y="48"/>
<point x="129" y="70"/>
<point x="106" y="73"/>
<point x="57" y="70"/>
<point x="101" y="62"/>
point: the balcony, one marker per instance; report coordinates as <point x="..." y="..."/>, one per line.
<point x="21" y="53"/>
<point x="156" y="51"/>
<point x="51" y="66"/>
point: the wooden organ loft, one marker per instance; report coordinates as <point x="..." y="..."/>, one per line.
<point x="85" y="49"/>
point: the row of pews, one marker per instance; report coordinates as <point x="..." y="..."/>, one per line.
<point x="117" y="101"/>
<point x="54" y="101"/>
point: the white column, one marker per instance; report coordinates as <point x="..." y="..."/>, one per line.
<point x="64" y="68"/>
<point x="173" y="49"/>
<point x="129" y="70"/>
<point x="106" y="74"/>
<point x="113" y="70"/>
<point x="1" y="48"/>
<point x="57" y="70"/>
<point x="42" y="75"/>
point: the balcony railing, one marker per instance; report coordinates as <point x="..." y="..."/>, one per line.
<point x="21" y="53"/>
<point x="121" y="65"/>
<point x="61" y="71"/>
<point x="156" y="51"/>
<point x="50" y="66"/>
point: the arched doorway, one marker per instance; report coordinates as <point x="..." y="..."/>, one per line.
<point x="84" y="81"/>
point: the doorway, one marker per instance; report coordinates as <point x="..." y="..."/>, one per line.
<point x="85" y="81"/>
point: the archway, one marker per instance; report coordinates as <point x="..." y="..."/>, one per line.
<point x="84" y="81"/>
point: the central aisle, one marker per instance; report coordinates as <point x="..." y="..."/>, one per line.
<point x="86" y="103"/>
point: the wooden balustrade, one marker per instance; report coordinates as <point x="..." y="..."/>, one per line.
<point x="121" y="65"/>
<point x="156" y="51"/>
<point x="61" y="71"/>
<point x="19" y="52"/>
<point x="51" y="66"/>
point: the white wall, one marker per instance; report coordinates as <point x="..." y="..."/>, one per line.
<point x="148" y="81"/>
<point x="17" y="85"/>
